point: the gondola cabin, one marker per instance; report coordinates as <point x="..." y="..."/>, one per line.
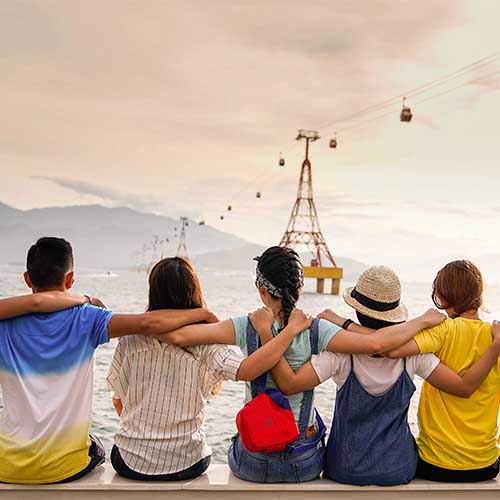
<point x="258" y="194"/>
<point x="333" y="143"/>
<point x="229" y="208"/>
<point x="406" y="114"/>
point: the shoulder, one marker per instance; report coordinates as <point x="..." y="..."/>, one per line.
<point x="91" y="312"/>
<point x="447" y="326"/>
<point x="325" y="327"/>
<point x="422" y="364"/>
<point x="431" y="339"/>
<point x="329" y="364"/>
<point x="240" y="324"/>
<point x="326" y="331"/>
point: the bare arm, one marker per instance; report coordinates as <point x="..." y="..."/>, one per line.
<point x="155" y="322"/>
<point x="409" y="349"/>
<point x="212" y="333"/>
<point x="385" y="339"/>
<point x="264" y="358"/>
<point x="334" y="318"/>
<point x="445" y="379"/>
<point x="288" y="381"/>
<point x="42" y="302"/>
<point x="117" y="403"/>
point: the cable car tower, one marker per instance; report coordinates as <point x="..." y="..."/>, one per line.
<point x="304" y="230"/>
<point x="182" y="248"/>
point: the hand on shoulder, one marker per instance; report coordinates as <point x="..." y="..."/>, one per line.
<point x="211" y="317"/>
<point x="299" y="321"/>
<point x="262" y="319"/>
<point x="96" y="301"/>
<point x="432" y="317"/>
<point x="332" y="317"/>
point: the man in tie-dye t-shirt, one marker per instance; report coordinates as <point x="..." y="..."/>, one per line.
<point x="47" y="373"/>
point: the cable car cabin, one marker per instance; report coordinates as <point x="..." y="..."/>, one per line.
<point x="406" y="114"/>
<point x="333" y="143"/>
<point x="282" y="162"/>
<point x="221" y="217"/>
<point x="258" y="194"/>
<point x="229" y="208"/>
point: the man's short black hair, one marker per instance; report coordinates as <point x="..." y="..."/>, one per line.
<point x="49" y="259"/>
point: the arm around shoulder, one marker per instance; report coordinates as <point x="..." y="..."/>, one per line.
<point x="154" y="322"/>
<point x="42" y="302"/>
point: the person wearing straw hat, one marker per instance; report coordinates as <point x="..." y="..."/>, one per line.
<point x="370" y="442"/>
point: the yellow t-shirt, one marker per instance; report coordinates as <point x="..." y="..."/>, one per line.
<point x="458" y="433"/>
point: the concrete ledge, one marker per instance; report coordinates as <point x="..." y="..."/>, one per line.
<point x="218" y="481"/>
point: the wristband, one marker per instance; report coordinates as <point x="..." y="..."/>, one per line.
<point x="346" y="324"/>
<point x="89" y="299"/>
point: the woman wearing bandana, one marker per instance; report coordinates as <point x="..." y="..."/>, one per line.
<point x="370" y="442"/>
<point x="279" y="280"/>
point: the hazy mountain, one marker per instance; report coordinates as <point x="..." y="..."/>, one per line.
<point x="104" y="237"/>
<point x="241" y="259"/>
<point x="122" y="237"/>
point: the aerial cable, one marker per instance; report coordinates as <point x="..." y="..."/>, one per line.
<point x="420" y="89"/>
<point x="425" y="99"/>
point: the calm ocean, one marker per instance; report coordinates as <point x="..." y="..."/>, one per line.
<point x="228" y="294"/>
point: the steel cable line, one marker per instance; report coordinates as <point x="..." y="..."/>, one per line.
<point x="431" y="97"/>
<point x="485" y="61"/>
<point x="464" y="71"/>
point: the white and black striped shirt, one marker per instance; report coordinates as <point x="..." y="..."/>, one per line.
<point x="163" y="390"/>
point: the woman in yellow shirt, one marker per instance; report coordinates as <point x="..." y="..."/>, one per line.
<point x="458" y="437"/>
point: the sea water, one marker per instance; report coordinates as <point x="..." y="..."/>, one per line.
<point x="228" y="293"/>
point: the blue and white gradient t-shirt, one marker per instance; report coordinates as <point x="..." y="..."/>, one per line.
<point x="47" y="377"/>
<point x="297" y="354"/>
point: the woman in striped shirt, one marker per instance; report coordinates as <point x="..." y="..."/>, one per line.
<point x="160" y="390"/>
<point x="279" y="281"/>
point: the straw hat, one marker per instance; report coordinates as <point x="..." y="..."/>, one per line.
<point x="377" y="294"/>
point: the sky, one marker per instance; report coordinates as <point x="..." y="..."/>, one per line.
<point x="182" y="107"/>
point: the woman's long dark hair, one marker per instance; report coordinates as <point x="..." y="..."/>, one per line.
<point x="173" y="284"/>
<point x="282" y="267"/>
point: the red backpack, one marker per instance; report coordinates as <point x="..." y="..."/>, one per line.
<point x="266" y="423"/>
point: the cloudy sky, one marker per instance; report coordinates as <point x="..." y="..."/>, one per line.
<point x="182" y="107"/>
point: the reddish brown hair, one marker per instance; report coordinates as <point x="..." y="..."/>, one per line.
<point x="459" y="286"/>
<point x="173" y="284"/>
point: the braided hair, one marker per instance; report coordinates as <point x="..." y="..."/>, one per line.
<point x="281" y="267"/>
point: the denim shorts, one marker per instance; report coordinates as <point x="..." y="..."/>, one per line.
<point x="276" y="467"/>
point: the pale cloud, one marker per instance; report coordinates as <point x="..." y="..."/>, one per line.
<point x="182" y="107"/>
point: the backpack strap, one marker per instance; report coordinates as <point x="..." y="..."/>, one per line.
<point x="307" y="400"/>
<point x="259" y="384"/>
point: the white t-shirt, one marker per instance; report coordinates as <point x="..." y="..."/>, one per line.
<point x="376" y="375"/>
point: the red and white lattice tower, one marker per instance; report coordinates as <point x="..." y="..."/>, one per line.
<point x="303" y="227"/>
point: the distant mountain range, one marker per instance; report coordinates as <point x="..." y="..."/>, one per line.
<point x="114" y="237"/>
<point x="103" y="237"/>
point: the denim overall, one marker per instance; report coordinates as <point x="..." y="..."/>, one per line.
<point x="370" y="441"/>
<point x="302" y="460"/>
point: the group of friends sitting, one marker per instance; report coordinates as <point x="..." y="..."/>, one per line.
<point x="171" y="359"/>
